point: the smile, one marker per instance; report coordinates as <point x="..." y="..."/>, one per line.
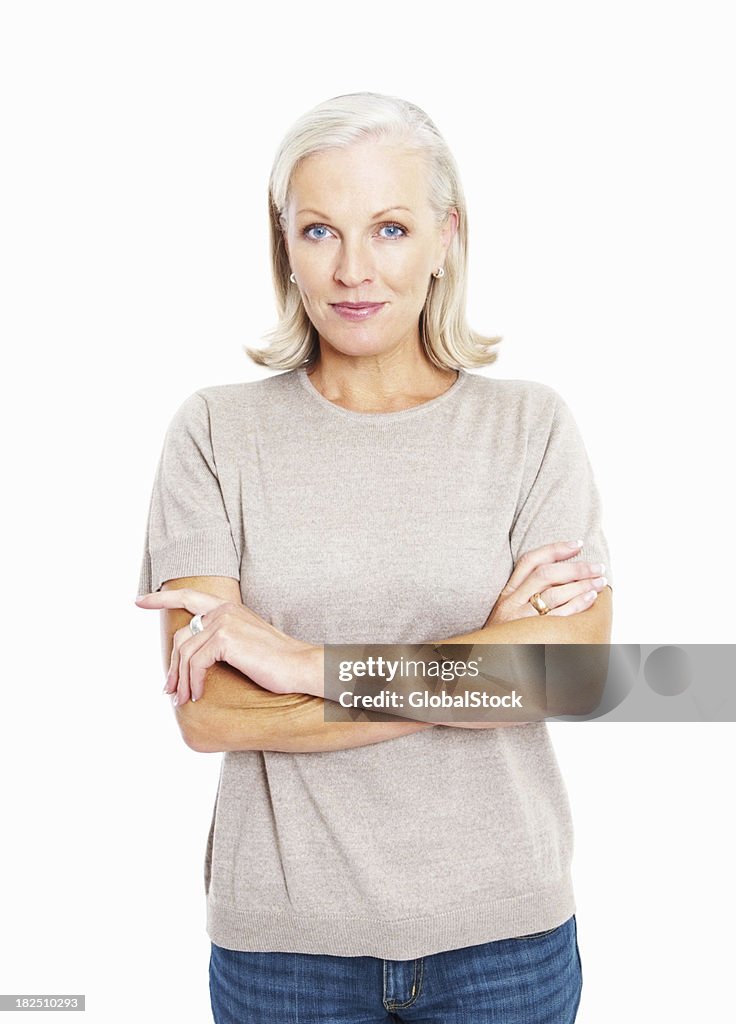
<point x="357" y="310"/>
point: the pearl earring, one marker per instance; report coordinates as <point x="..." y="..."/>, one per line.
<point x="292" y="278"/>
<point x="439" y="272"/>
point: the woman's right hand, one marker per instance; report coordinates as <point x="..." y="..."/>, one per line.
<point x="565" y="587"/>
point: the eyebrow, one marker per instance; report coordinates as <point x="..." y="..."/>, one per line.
<point x="381" y="213"/>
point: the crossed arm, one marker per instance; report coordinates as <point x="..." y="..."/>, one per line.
<point x="234" y="713"/>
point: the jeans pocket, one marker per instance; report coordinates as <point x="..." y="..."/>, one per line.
<point x="538" y="935"/>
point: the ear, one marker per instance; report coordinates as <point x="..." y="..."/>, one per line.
<point x="449" y="229"/>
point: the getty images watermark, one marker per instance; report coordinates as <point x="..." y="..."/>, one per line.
<point x="531" y="682"/>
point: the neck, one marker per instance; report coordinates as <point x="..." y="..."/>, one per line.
<point x="388" y="382"/>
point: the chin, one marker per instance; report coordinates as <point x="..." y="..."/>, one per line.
<point x="355" y="344"/>
<point x="359" y="340"/>
<point x="356" y="351"/>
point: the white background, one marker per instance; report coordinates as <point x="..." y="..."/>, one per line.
<point x="596" y="146"/>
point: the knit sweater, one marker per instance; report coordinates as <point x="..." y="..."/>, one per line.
<point x="347" y="527"/>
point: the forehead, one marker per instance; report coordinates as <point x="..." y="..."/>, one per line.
<point x="365" y="177"/>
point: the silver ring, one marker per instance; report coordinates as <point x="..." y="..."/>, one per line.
<point x="195" y="625"/>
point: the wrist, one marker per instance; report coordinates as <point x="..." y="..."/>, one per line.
<point x="311" y="673"/>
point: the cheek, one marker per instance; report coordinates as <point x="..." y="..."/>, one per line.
<point x="314" y="268"/>
<point x="408" y="273"/>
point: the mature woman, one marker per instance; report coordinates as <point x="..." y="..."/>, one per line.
<point x="374" y="492"/>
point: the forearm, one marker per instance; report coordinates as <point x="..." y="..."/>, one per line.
<point x="559" y="690"/>
<point x="589" y="627"/>
<point x="236" y="714"/>
<point x="550" y="665"/>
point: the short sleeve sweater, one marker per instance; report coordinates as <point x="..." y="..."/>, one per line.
<point x="348" y="527"/>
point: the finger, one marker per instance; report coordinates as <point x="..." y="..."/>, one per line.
<point x="187" y="649"/>
<point x="199" y="662"/>
<point x="557" y="573"/>
<point x="172" y="677"/>
<point x="195" y="601"/>
<point x="182" y="685"/>
<point x="533" y="559"/>
<point x="196" y="659"/>
<point x="555" y="597"/>
<point x="577" y="604"/>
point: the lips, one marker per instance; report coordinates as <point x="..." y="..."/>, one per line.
<point x="357" y="310"/>
<point x="357" y="305"/>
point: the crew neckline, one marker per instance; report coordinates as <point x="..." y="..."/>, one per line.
<point x="399" y="414"/>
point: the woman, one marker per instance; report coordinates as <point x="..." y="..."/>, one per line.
<point x="374" y="492"/>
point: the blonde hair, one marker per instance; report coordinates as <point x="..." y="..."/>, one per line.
<point x="339" y="122"/>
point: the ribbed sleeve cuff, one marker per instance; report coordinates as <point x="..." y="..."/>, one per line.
<point x="201" y="553"/>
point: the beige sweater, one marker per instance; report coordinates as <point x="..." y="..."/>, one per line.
<point x="347" y="527"/>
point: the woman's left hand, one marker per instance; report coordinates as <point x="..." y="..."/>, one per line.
<point x="234" y="634"/>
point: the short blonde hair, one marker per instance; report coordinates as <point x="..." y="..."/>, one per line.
<point x="339" y="122"/>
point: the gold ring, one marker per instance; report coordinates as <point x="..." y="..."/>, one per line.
<point x="538" y="604"/>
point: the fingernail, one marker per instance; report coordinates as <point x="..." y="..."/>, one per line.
<point x="175" y="701"/>
<point x="166" y="688"/>
<point x="601" y="581"/>
<point x="598" y="568"/>
<point x="574" y="544"/>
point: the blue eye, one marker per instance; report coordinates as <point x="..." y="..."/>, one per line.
<point x="317" y="228"/>
<point x="396" y="230"/>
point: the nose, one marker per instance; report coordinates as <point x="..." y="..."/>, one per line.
<point x="354" y="264"/>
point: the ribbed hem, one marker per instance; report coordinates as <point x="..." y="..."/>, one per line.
<point x="201" y="553"/>
<point x="402" y="939"/>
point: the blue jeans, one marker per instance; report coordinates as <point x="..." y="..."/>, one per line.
<point x="534" y="979"/>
